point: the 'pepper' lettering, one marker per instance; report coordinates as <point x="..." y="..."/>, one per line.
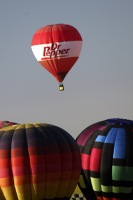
<point x="54" y="51"/>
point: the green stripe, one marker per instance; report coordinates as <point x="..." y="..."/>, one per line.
<point x="121" y="189"/>
<point x="122" y="173"/>
<point x="114" y="189"/>
<point x="106" y="189"/>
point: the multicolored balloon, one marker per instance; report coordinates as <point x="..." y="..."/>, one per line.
<point x="57" y="48"/>
<point x="6" y="123"/>
<point x="37" y="162"/>
<point x="107" y="160"/>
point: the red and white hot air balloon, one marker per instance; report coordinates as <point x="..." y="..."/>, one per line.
<point x="57" y="47"/>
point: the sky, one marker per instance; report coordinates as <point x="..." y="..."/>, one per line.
<point x="100" y="84"/>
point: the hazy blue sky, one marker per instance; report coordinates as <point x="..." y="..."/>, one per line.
<point x="99" y="86"/>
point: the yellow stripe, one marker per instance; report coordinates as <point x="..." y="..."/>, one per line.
<point x="96" y="184"/>
<point x="24" y="126"/>
<point x="9" y="193"/>
<point x="81" y="182"/>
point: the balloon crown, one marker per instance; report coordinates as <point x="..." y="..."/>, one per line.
<point x="118" y="121"/>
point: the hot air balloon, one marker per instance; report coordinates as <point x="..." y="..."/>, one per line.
<point x="6" y="123"/>
<point x="57" y="48"/>
<point x="37" y="161"/>
<point x="107" y="160"/>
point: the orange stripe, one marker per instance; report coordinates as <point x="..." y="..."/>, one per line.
<point x="39" y="178"/>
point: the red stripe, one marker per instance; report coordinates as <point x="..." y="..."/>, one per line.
<point x="85" y="161"/>
<point x="46" y="163"/>
<point x="95" y="159"/>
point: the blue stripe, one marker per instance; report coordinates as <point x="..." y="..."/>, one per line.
<point x="120" y="144"/>
<point x="100" y="138"/>
<point x="111" y="136"/>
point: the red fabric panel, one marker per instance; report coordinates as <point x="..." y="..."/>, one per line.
<point x="59" y="67"/>
<point x="85" y="161"/>
<point x="55" y="33"/>
<point x="95" y="159"/>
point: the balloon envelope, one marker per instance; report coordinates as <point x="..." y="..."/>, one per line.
<point x="57" y="48"/>
<point x="6" y="123"/>
<point x="107" y="160"/>
<point x="37" y="161"/>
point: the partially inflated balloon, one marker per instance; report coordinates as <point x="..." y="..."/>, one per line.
<point x="57" y="47"/>
<point x="37" y="162"/>
<point x="107" y="160"/>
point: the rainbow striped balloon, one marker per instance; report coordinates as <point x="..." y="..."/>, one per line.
<point x="37" y="161"/>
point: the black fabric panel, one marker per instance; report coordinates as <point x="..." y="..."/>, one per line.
<point x="119" y="162"/>
<point x="106" y="164"/>
<point x="122" y="183"/>
<point x="129" y="147"/>
<point x="95" y="174"/>
<point x="88" y="192"/>
<point x="98" y="145"/>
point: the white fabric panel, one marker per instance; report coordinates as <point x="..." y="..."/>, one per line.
<point x="57" y="50"/>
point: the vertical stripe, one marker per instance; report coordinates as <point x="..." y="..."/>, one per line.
<point x="95" y="159"/>
<point x="111" y="136"/>
<point x="120" y="144"/>
<point x="85" y="161"/>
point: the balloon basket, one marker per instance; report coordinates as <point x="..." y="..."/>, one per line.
<point x="61" y="87"/>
